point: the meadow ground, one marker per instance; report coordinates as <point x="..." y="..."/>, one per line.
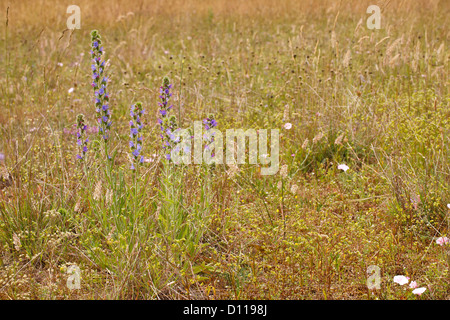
<point x="374" y="100"/>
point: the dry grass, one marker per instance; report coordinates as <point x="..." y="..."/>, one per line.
<point x="376" y="100"/>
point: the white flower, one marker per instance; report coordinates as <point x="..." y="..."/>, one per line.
<point x="413" y="285"/>
<point x="448" y="205"/>
<point x="419" y="291"/>
<point x="288" y="125"/>
<point x="442" y="240"/>
<point x="70" y="90"/>
<point x="401" y="280"/>
<point x="60" y="64"/>
<point x="343" y="167"/>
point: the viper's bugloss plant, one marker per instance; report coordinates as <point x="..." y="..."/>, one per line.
<point x="169" y="139"/>
<point x="82" y="140"/>
<point x="209" y="123"/>
<point x="165" y="95"/>
<point x="168" y="123"/>
<point x="136" y="126"/>
<point x="99" y="85"/>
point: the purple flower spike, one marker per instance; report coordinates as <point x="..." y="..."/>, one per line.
<point x="99" y="84"/>
<point x="82" y="142"/>
<point x="136" y="138"/>
<point x="210" y="123"/>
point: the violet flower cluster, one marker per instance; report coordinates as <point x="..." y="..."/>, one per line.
<point x="136" y="126"/>
<point x="165" y="97"/>
<point x="99" y="84"/>
<point x="209" y="123"/>
<point x="168" y="123"/>
<point x="82" y="140"/>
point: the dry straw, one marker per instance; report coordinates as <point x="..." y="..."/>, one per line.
<point x="284" y="171"/>
<point x="318" y="137"/>
<point x="347" y="57"/>
<point x="294" y="188"/>
<point x="98" y="190"/>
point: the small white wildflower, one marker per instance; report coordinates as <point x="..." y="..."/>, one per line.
<point x="343" y="167"/>
<point x="288" y="125"/>
<point x="419" y="291"/>
<point x="442" y="240"/>
<point x="70" y="90"/>
<point x="401" y="280"/>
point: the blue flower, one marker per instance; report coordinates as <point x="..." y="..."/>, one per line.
<point x="81" y="141"/>
<point x="136" y="138"/>
<point x="210" y="123"/>
<point x="99" y="84"/>
<point x="167" y="122"/>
